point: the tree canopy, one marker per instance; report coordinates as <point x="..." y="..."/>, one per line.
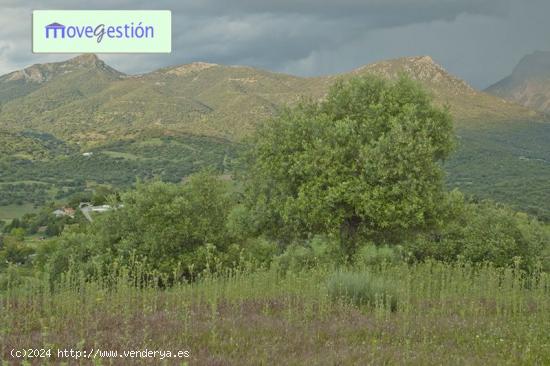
<point x="363" y="162"/>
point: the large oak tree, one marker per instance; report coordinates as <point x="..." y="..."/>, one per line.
<point x="363" y="163"/>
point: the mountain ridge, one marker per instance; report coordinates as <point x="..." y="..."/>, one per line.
<point x="40" y="73"/>
<point x="421" y="68"/>
<point x="84" y="100"/>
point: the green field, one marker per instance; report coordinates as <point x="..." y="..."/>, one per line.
<point x="123" y="155"/>
<point x="14" y="211"/>
<point x="444" y="315"/>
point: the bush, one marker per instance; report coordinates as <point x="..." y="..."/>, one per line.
<point x="295" y="258"/>
<point x="56" y="256"/>
<point x="14" y="251"/>
<point x="485" y="232"/>
<point x="319" y="250"/>
<point x="174" y="230"/>
<point x="362" y="288"/>
<point x="372" y="255"/>
<point x="260" y="251"/>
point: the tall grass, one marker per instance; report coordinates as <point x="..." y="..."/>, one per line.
<point x="443" y="314"/>
<point x="362" y="288"/>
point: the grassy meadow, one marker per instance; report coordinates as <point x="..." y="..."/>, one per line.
<point x="7" y="213"/>
<point x="425" y="314"/>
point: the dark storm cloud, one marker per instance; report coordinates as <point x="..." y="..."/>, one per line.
<point x="311" y="37"/>
<point x="405" y="10"/>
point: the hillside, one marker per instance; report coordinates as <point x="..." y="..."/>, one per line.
<point x="468" y="105"/>
<point x="89" y="70"/>
<point x="83" y="100"/>
<point x="529" y="83"/>
<point x="173" y="121"/>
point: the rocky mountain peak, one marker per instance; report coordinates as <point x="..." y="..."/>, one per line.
<point x="40" y="73"/>
<point x="85" y="59"/>
<point x="423" y="69"/>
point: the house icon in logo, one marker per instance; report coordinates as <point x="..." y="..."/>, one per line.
<point x="54" y="27"/>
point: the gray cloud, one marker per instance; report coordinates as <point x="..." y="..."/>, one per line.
<point x="478" y="40"/>
<point x="387" y="10"/>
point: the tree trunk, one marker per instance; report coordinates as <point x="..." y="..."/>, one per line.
<point x="349" y="235"/>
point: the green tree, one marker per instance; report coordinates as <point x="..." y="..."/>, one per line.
<point x="101" y="195"/>
<point x="162" y="226"/>
<point x="364" y="163"/>
<point x="14" y="250"/>
<point x="485" y="232"/>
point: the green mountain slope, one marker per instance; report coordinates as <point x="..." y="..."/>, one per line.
<point x="85" y="101"/>
<point x="91" y="102"/>
<point x="509" y="164"/>
<point x="87" y="69"/>
<point x="172" y="121"/>
<point x="470" y="107"/>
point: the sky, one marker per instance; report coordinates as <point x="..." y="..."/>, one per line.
<point x="478" y="40"/>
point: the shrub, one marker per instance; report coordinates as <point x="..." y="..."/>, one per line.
<point x="326" y="250"/>
<point x="319" y="250"/>
<point x="165" y="227"/>
<point x="260" y="251"/>
<point x="56" y="256"/>
<point x="485" y="232"/>
<point x="362" y="288"/>
<point x="14" y="251"/>
<point x="372" y="255"/>
<point x="295" y="258"/>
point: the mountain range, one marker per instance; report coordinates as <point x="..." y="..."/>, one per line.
<point x="170" y="122"/>
<point x="83" y="100"/>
